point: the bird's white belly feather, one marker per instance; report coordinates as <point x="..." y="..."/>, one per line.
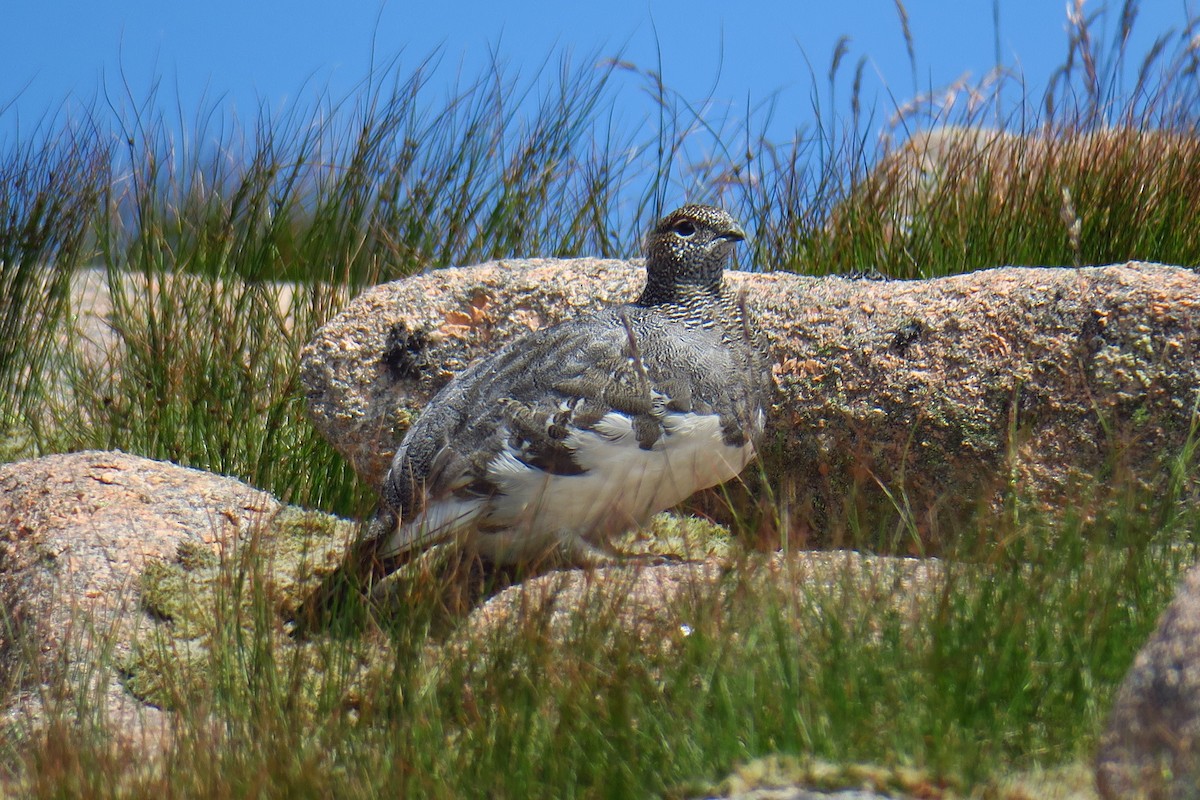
<point x="621" y="487"/>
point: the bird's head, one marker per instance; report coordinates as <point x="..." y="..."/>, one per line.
<point x="689" y="248"/>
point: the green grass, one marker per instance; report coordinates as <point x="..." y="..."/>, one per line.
<point x="1004" y="661"/>
<point x="1008" y="660"/>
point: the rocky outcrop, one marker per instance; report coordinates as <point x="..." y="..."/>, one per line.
<point x="940" y="391"/>
<point x="1151" y="746"/>
<point x="76" y="532"/>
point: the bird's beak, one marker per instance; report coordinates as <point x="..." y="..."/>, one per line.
<point x="734" y="234"/>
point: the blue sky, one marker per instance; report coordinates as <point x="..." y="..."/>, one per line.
<point x="245" y="53"/>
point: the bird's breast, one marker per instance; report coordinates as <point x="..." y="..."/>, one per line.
<point x="620" y="486"/>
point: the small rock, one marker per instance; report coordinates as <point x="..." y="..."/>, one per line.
<point x="645" y="602"/>
<point x="1151" y="746"/>
<point x="781" y="777"/>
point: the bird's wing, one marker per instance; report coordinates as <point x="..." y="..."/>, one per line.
<point x="522" y="402"/>
<point x="520" y="408"/>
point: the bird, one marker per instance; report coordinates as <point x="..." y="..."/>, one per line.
<point x="577" y="432"/>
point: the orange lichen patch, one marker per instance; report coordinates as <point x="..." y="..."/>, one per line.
<point x="799" y="366"/>
<point x="996" y="345"/>
<point x="528" y="318"/>
<point x="462" y="323"/>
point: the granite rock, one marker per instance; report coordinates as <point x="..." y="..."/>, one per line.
<point x="944" y="391"/>
<point x="76" y="532"/>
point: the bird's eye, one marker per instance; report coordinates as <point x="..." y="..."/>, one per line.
<point x="685" y="228"/>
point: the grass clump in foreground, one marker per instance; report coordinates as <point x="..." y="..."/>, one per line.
<point x="222" y="262"/>
<point x="956" y="677"/>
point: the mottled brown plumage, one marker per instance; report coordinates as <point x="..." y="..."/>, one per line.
<point x="576" y="432"/>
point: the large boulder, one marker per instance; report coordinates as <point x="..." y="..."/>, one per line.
<point x="939" y="391"/>
<point x="76" y="533"/>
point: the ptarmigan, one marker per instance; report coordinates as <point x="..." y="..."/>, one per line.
<point x="582" y="430"/>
